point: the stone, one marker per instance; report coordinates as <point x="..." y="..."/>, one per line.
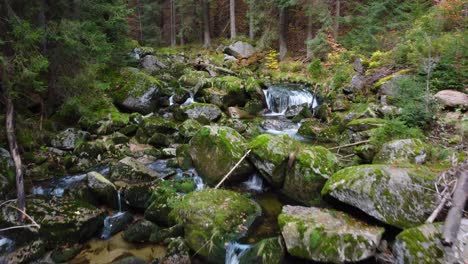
<point x="163" y="234"/>
<point x="152" y="64"/>
<point x="189" y="128"/>
<point x="359" y="66"/>
<point x="62" y="255"/>
<point x="137" y="91"/>
<point x="270" y="155"/>
<point x="308" y="173"/>
<point x="62" y="220"/>
<point x="452" y="99"/>
<point x="237" y="113"/>
<point x="410" y="151"/>
<point x="278" y="125"/>
<point x="68" y="139"/>
<point x="402" y="197"/>
<point x="358" y="82"/>
<point x="104" y="190"/>
<point x="177" y="252"/>
<point x="422" y="244"/>
<point x="359" y="125"/>
<point x="115" y="223"/>
<point x="327" y="235"/>
<point x="203" y="113"/>
<point x="215" y="216"/>
<point x="240" y="49"/>
<point x="25" y="254"/>
<point x="131" y="171"/>
<point x="136" y="195"/>
<point x="140" y="231"/>
<point x="340" y="103"/>
<point x="215" y="150"/>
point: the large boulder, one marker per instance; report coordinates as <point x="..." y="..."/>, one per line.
<point x="326" y="235"/>
<point x="215" y="150"/>
<point x="203" y="113"/>
<point x="62" y="220"/>
<point x="402" y="197"/>
<point x="102" y="188"/>
<point x="215" y="217"/>
<point x="140" y="231"/>
<point x="402" y="151"/>
<point x="422" y="244"/>
<point x="270" y="155"/>
<point x="137" y="91"/>
<point x="240" y="49"/>
<point x="311" y="168"/>
<point x="451" y="98"/>
<point x="68" y="139"/>
<point x="151" y="63"/>
<point x="131" y="171"/>
<point x="189" y="128"/>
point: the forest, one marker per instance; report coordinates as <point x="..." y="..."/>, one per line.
<point x="233" y="131"/>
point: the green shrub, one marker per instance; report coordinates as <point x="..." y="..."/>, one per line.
<point x="394" y="129"/>
<point x="291" y="66"/>
<point x="316" y="69"/>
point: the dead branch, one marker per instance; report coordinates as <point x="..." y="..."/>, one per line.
<point x="233" y="168"/>
<point x="350" y="145"/>
<point x="23" y="213"/>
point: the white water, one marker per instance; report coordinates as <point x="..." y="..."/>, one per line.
<point x="254" y="183"/>
<point x="119" y="200"/>
<point x="171" y="100"/>
<point x="107" y="230"/>
<point x="57" y="187"/>
<point x="189" y="100"/>
<point x="280" y="98"/>
<point x="234" y="251"/>
<point x="199" y="182"/>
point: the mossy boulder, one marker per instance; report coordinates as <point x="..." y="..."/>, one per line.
<point x="91" y="150"/>
<point x="140" y="231"/>
<point x="192" y="78"/>
<point x="214" y="217"/>
<point x="402" y="197"/>
<point x="163" y="234"/>
<point x="310" y="128"/>
<point x="270" y="155"/>
<point x="62" y="255"/>
<point x="402" y="151"/>
<point x="422" y="244"/>
<point x="307" y="175"/>
<point x="267" y="251"/>
<point x="102" y="188"/>
<point x="62" y="220"/>
<point x="69" y="138"/>
<point x="136" y="91"/>
<point x="223" y="97"/>
<point x="131" y="171"/>
<point x="189" y="128"/>
<point x="177" y="252"/>
<point x="215" y="150"/>
<point x="136" y="195"/>
<point x="364" y="124"/>
<point x="203" y="113"/>
<point x="327" y="235"/>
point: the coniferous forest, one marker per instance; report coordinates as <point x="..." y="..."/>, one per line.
<point x="233" y="131"/>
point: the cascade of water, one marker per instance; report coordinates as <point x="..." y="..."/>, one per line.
<point x="171" y="100"/>
<point x="199" y="182"/>
<point x="119" y="200"/>
<point x="234" y="251"/>
<point x="189" y="100"/>
<point x="57" y="187"/>
<point x="280" y="98"/>
<point x="254" y="183"/>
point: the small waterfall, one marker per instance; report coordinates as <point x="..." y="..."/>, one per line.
<point x="199" y="182"/>
<point x="119" y="200"/>
<point x="234" y="251"/>
<point x="115" y="223"/>
<point x="280" y="98"/>
<point x="171" y="100"/>
<point x="57" y="187"/>
<point x="189" y="100"/>
<point x="254" y="183"/>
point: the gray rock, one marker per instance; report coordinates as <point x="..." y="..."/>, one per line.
<point x="25" y="254"/>
<point x="359" y="66"/>
<point x="358" y="82"/>
<point x="451" y="98"/>
<point x="131" y="171"/>
<point x="278" y="125"/>
<point x="67" y="139"/>
<point x="240" y="49"/>
<point x="140" y="231"/>
<point x="102" y="188"/>
<point x="402" y="151"/>
<point x="116" y="223"/>
<point x="151" y="63"/>
<point x="202" y="112"/>
<point x="402" y="197"/>
<point x="327" y="235"/>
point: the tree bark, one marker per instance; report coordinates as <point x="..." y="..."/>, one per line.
<point x="251" y="19"/>
<point x="14" y="150"/>
<point x="206" y="24"/>
<point x="282" y="33"/>
<point x="173" y="25"/>
<point x="309" y="30"/>
<point x="232" y="15"/>
<point x="337" y="17"/>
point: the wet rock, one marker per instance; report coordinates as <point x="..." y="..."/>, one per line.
<point x="131" y="171"/>
<point x="402" y="151"/>
<point x="422" y="244"/>
<point x="115" y="223"/>
<point x="183" y="158"/>
<point x="118" y="138"/>
<point x="6" y="245"/>
<point x="102" y="188"/>
<point x="62" y="255"/>
<point x="452" y="99"/>
<point x="62" y="220"/>
<point x="137" y="91"/>
<point x="67" y="139"/>
<point x="25" y="254"/>
<point x="163" y="234"/>
<point x="160" y="140"/>
<point x="203" y="113"/>
<point x="267" y="251"/>
<point x="270" y="155"/>
<point x="363" y="124"/>
<point x="189" y="128"/>
<point x="240" y="49"/>
<point x="308" y="173"/>
<point x="215" y="150"/>
<point x="140" y="231"/>
<point x="402" y="197"/>
<point x="215" y="216"/>
<point x="278" y="125"/>
<point x="326" y="235"/>
<point x="136" y="195"/>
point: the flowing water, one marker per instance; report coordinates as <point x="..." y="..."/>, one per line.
<point x="58" y="186"/>
<point x="254" y="183"/>
<point x="171" y="100"/>
<point x="234" y="251"/>
<point x="280" y="98"/>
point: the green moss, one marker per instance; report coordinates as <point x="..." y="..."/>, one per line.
<point x="133" y="83"/>
<point x="228" y="83"/>
<point x="388" y="78"/>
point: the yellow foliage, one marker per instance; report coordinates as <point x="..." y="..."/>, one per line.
<point x="272" y="60"/>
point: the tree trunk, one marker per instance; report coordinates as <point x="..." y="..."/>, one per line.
<point x="140" y="26"/>
<point x="206" y="24"/>
<point x="282" y="33"/>
<point x="251" y="19"/>
<point x="232" y="15"/>
<point x="337" y="17"/>
<point x="173" y="25"/>
<point x="309" y="30"/>
<point x="14" y="150"/>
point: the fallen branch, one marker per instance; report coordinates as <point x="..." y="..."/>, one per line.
<point x="233" y="168"/>
<point x="350" y="145"/>
<point x="34" y="223"/>
<point x="445" y="197"/>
